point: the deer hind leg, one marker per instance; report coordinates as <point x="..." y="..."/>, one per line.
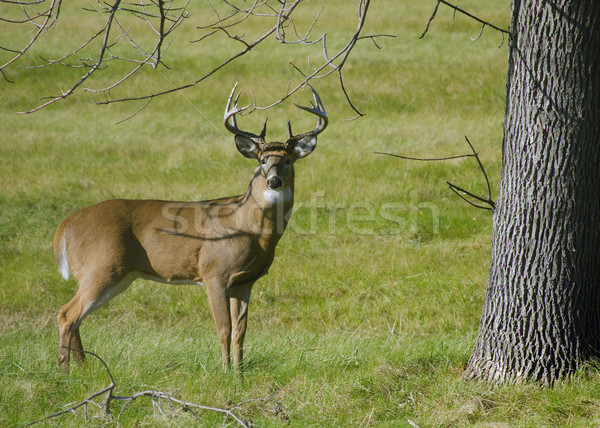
<point x="218" y="300"/>
<point x="89" y="297"/>
<point x="68" y="317"/>
<point x="78" y="356"/>
<point x="238" y="300"/>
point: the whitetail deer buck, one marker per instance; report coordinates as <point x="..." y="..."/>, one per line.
<point x="225" y="244"/>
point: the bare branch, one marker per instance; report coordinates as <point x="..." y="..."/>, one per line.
<point x="330" y="61"/>
<point x="61" y="59"/>
<point x="162" y="17"/>
<point x="167" y="14"/>
<point x="459" y="190"/>
<point x="89" y="399"/>
<point x="24" y="3"/>
<point x="156" y="397"/>
<point x="464" y="12"/>
<point x="283" y="15"/>
<point x="435" y="9"/>
<point x="220" y="22"/>
<point x="425" y="159"/>
<point x="136" y="112"/>
<point x="245" y="50"/>
<point x="48" y="22"/>
<point x="92" y="70"/>
<point x="490" y="204"/>
<point x="489" y="199"/>
<point x="374" y="37"/>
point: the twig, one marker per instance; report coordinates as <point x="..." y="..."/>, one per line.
<point x="162" y="18"/>
<point x="185" y="405"/>
<point x="169" y="18"/>
<point x="425" y="159"/>
<point x="435" y="9"/>
<point x="490" y="205"/>
<point x="464" y="12"/>
<point x="88" y="400"/>
<point x="282" y="16"/>
<point x="136" y="112"/>
<point x="48" y="22"/>
<point x="155" y="396"/>
<point x="95" y="67"/>
<point x="248" y="47"/>
<point x="330" y="61"/>
<point x="458" y="191"/>
<point x="489" y="199"/>
<point x="61" y="59"/>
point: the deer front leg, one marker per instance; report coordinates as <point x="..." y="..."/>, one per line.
<point x="218" y="300"/>
<point x="239" y="296"/>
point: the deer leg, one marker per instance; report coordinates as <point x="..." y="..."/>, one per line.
<point x="67" y="316"/>
<point x="239" y="296"/>
<point x="78" y="357"/>
<point x="218" y="300"/>
<point x="89" y="297"/>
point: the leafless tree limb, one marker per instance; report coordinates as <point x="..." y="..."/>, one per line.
<point x="70" y="54"/>
<point x="162" y="17"/>
<point x="425" y="159"/>
<point x="464" y="12"/>
<point x="167" y="17"/>
<point x="155" y="397"/>
<point x="488" y="199"/>
<point x="433" y="14"/>
<point x="283" y="16"/>
<point x="23" y="3"/>
<point x="490" y="205"/>
<point x="343" y="54"/>
<point x="48" y="21"/>
<point x="95" y="67"/>
<point x="459" y="191"/>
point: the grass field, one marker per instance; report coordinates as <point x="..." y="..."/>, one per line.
<point x="370" y="310"/>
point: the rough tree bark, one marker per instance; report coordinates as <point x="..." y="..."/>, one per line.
<point x="541" y="315"/>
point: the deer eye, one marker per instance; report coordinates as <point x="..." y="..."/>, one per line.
<point x="263" y="161"/>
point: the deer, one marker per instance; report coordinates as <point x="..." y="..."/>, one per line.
<point x="225" y="244"/>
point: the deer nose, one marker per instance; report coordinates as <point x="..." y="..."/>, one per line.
<point x="274" y="182"/>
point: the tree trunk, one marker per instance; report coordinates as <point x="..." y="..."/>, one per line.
<point x="541" y="316"/>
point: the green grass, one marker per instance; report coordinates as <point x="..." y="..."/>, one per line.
<point x="370" y="310"/>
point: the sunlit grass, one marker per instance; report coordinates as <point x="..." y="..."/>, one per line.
<point x="370" y="310"/>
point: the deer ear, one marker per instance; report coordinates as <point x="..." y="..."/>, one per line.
<point x="247" y="146"/>
<point x="304" y="146"/>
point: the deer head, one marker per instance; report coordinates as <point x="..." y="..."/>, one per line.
<point x="276" y="159"/>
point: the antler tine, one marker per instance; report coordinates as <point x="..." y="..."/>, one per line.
<point x="263" y="133"/>
<point x="230" y="113"/>
<point x="317" y="109"/>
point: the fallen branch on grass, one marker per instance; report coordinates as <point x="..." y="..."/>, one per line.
<point x="156" y="397"/>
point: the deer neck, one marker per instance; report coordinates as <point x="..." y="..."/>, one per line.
<point x="269" y="210"/>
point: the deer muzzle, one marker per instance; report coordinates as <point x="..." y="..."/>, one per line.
<point x="274" y="182"/>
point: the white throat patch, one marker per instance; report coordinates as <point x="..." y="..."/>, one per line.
<point x="278" y="195"/>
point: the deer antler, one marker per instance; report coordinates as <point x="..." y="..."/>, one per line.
<point x="230" y="113"/>
<point x="319" y="110"/>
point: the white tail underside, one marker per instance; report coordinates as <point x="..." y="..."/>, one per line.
<point x="63" y="260"/>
